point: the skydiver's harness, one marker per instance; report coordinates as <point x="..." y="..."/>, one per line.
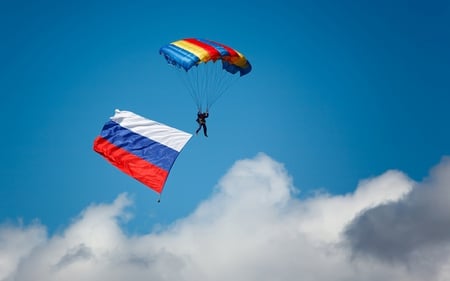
<point x="201" y="119"/>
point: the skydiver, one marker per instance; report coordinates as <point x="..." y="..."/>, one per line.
<point x="201" y="120"/>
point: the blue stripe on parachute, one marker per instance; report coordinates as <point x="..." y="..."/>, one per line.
<point x="223" y="52"/>
<point x="178" y="56"/>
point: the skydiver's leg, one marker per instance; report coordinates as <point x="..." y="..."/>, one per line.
<point x="199" y="127"/>
<point x="205" y="130"/>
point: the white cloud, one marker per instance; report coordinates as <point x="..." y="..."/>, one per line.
<point x="17" y="243"/>
<point x="251" y="228"/>
<point x="413" y="231"/>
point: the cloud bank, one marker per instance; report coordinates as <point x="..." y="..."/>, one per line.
<point x="415" y="230"/>
<point x="253" y="227"/>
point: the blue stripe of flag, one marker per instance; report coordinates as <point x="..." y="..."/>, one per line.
<point x="145" y="148"/>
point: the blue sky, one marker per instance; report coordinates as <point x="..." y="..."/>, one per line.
<point x="340" y="92"/>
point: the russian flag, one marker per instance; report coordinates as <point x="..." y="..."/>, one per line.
<point x="142" y="148"/>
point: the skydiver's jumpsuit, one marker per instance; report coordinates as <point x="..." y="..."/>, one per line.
<point x="201" y="120"/>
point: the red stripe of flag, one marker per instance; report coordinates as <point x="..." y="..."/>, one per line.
<point x="145" y="172"/>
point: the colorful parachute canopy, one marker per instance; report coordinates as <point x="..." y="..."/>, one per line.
<point x="188" y="52"/>
<point x="142" y="148"/>
<point x="208" y="80"/>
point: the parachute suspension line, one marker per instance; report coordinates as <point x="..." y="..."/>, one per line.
<point x="209" y="71"/>
<point x="215" y="80"/>
<point x="219" y="77"/>
<point x="207" y="82"/>
<point x="189" y="82"/>
<point x="223" y="81"/>
<point x="193" y="72"/>
<point x="203" y="83"/>
<point x="184" y="77"/>
<point x="196" y="79"/>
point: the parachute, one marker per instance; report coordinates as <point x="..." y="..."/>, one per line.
<point x="206" y="79"/>
<point x="142" y="148"/>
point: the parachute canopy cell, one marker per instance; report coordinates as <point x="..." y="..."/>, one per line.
<point x="142" y="148"/>
<point x="190" y="52"/>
